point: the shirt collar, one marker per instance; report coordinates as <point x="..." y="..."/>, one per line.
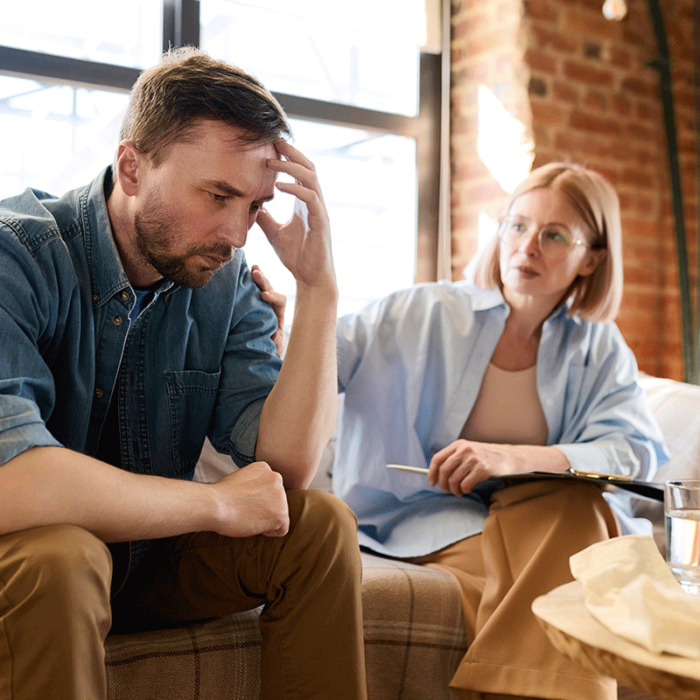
<point x="106" y="270"/>
<point x="487" y="299"/>
<point x="484" y="299"/>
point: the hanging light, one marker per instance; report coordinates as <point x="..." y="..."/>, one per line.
<point x="614" y="9"/>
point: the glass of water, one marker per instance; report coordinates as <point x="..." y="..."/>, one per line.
<point x="682" y="516"/>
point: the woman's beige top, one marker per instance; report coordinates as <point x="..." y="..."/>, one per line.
<point x="507" y="409"/>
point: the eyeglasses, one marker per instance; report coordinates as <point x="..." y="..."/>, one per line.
<point x="555" y="240"/>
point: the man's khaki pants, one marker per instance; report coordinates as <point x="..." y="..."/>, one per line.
<point x="522" y="553"/>
<point x="55" y="609"/>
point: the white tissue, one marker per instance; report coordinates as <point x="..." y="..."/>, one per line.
<point x="630" y="590"/>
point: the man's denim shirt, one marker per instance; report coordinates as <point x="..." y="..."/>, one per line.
<point x="196" y="362"/>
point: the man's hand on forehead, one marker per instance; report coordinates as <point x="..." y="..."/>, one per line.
<point x="303" y="243"/>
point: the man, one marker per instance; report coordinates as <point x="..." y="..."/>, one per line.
<point x="131" y="329"/>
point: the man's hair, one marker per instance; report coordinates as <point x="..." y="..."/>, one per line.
<point x="596" y="297"/>
<point x="187" y="87"/>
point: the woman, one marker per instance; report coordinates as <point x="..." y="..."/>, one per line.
<point x="521" y="370"/>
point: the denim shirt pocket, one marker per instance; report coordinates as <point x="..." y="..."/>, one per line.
<point x="191" y="399"/>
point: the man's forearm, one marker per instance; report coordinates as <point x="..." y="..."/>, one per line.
<point x="299" y="414"/>
<point x="49" y="485"/>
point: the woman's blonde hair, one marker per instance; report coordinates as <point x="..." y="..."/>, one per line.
<point x="596" y="297"/>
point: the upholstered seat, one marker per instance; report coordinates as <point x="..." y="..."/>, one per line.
<point x="414" y="629"/>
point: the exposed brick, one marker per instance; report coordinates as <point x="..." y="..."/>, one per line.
<point x="591" y="24"/>
<point x="541" y="62"/>
<point x="565" y="92"/>
<point x="595" y="124"/>
<point x="642" y="276"/>
<point x="637" y="178"/>
<point x="620" y="105"/>
<point x="588" y="74"/>
<point x="625" y="200"/>
<point x="645" y="204"/>
<point x="646" y="156"/>
<point x="620" y="58"/>
<point x="621" y="150"/>
<point x="542" y="135"/>
<point x="640" y="86"/>
<point x="615" y="125"/>
<point x="684" y="98"/>
<point x="649" y="111"/>
<point x="643" y="133"/>
<point x="595" y="100"/>
<point x="643" y="228"/>
<point x="638" y="37"/>
<point x="595" y="147"/>
<point x="548" y="113"/>
<point x="567" y="142"/>
<point x="543" y="10"/>
<point x="548" y="38"/>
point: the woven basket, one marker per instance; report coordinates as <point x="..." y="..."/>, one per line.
<point x="653" y="681"/>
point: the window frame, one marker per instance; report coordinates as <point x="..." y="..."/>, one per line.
<point x="181" y="28"/>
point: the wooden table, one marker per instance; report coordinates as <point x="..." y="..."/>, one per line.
<point x="577" y="634"/>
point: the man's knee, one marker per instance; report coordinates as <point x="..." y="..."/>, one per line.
<point x="63" y="564"/>
<point x="321" y="522"/>
<point x="322" y="511"/>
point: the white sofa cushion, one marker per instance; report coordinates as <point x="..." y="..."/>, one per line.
<point x="676" y="406"/>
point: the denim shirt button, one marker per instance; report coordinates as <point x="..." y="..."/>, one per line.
<point x="99" y="393"/>
<point x="117" y="320"/>
<point x="124" y="296"/>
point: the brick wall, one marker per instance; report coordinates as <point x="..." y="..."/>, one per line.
<point x="579" y="86"/>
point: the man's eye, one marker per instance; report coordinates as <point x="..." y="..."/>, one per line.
<point x="255" y="208"/>
<point x="217" y="197"/>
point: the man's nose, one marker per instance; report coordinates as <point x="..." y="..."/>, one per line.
<point x="235" y="230"/>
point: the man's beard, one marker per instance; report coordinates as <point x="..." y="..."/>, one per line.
<point x="154" y="236"/>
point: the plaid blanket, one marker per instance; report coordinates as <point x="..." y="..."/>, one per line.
<point x="414" y="640"/>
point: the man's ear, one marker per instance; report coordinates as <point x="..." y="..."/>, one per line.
<point x="129" y="160"/>
<point x="593" y="258"/>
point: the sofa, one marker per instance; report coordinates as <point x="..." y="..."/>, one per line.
<point x="413" y="625"/>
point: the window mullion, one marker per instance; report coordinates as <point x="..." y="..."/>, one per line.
<point x="42" y="66"/>
<point x="180" y="23"/>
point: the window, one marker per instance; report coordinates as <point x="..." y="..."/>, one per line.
<point x="125" y="33"/>
<point x="321" y="50"/>
<point x="352" y="94"/>
<point x="63" y="135"/>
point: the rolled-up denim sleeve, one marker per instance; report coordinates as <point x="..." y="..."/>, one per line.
<point x="27" y="391"/>
<point x="249" y="371"/>
<point x="21" y="427"/>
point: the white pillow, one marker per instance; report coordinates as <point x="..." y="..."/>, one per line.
<point x="676" y="406"/>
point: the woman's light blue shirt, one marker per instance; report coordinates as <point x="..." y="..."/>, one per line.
<point x="411" y="367"/>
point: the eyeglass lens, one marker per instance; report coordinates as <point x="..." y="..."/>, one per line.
<point x="554" y="241"/>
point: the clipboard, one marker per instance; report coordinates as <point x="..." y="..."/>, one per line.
<point x="642" y="489"/>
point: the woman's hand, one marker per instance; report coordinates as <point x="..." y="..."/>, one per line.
<point x="277" y="301"/>
<point x="458" y="467"/>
